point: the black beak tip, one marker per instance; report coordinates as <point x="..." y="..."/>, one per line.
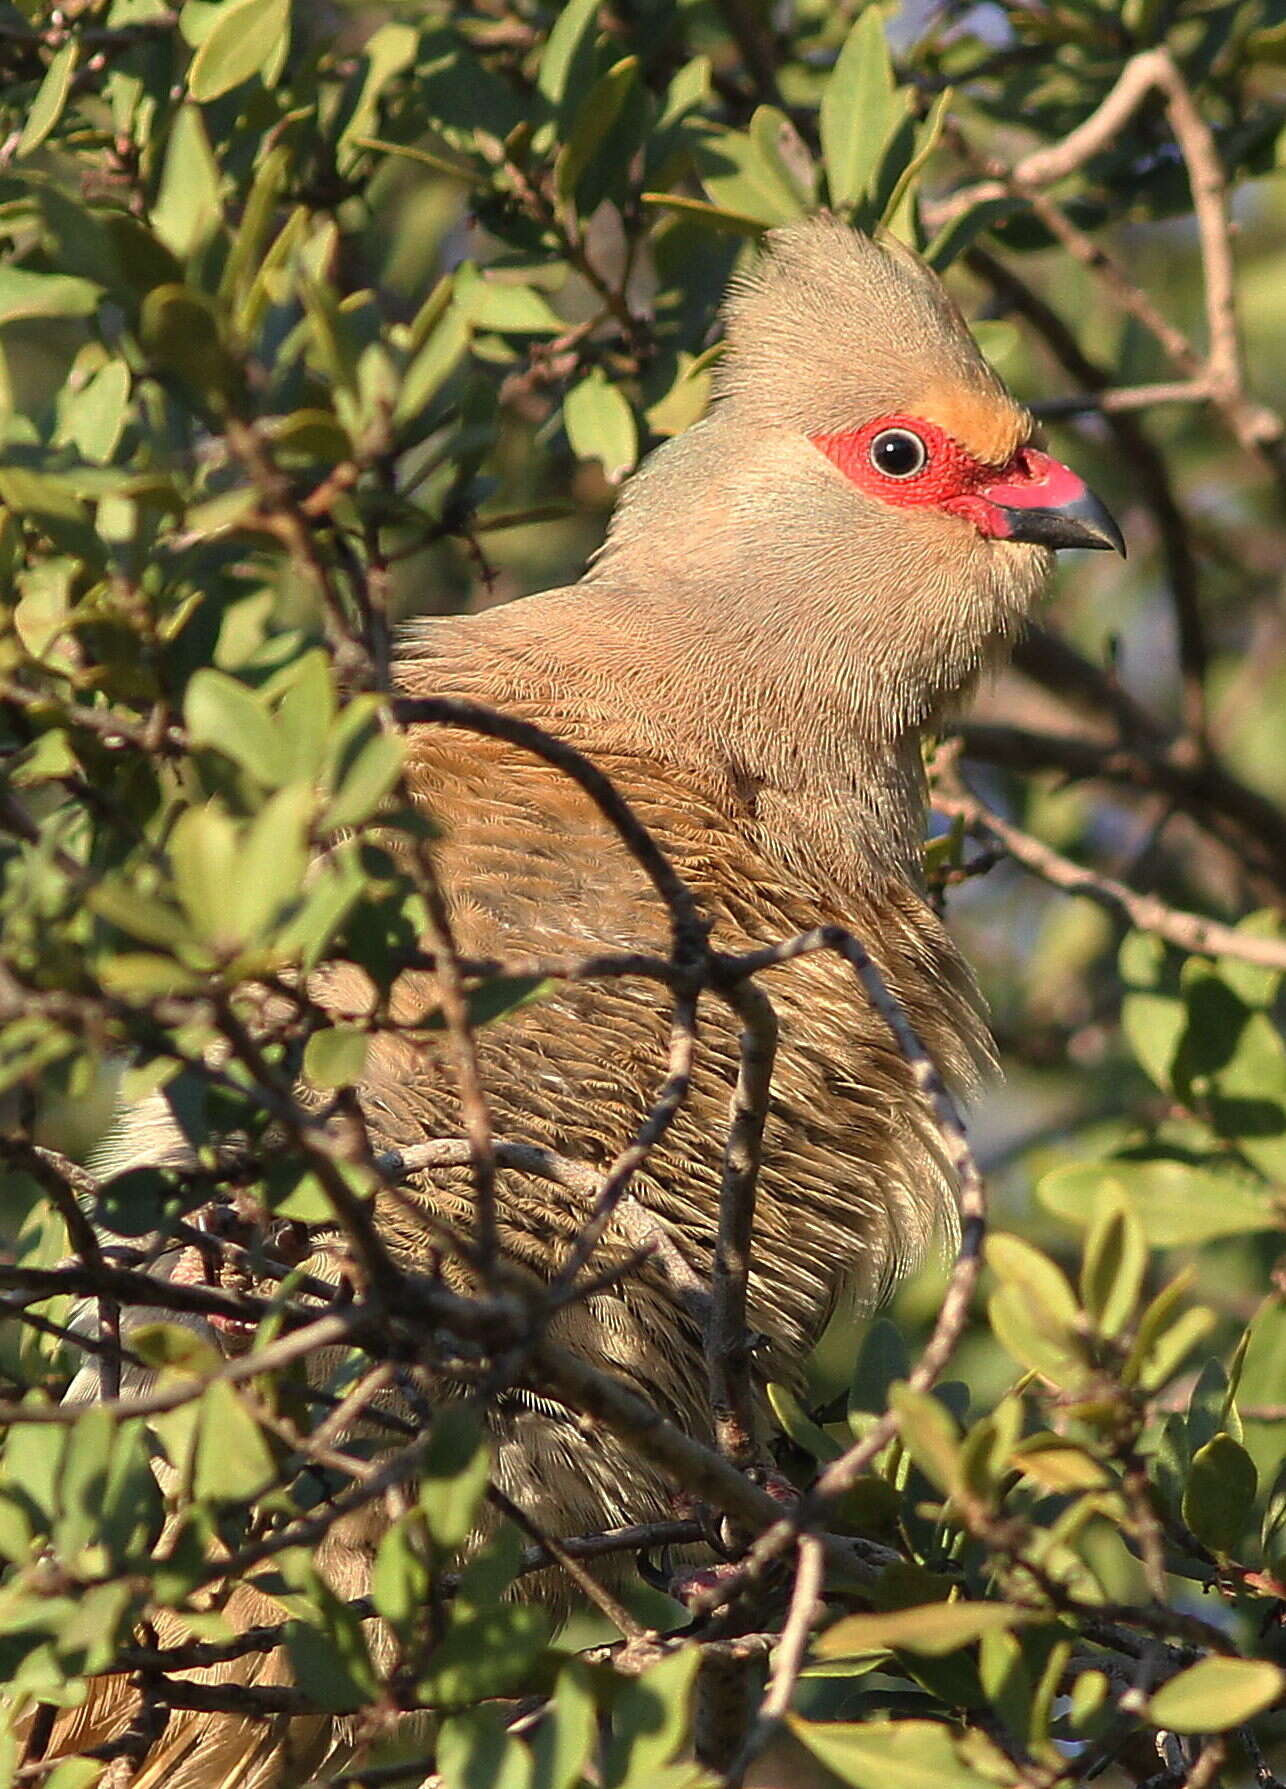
<point x="1084" y="522"/>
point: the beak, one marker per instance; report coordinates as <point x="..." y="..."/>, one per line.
<point x="1050" y="506"/>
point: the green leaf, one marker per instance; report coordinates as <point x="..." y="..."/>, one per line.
<point x="274" y="866"/>
<point x="961" y="232"/>
<point x="1016" y="1263"/>
<point x="1173" y="1202"/>
<point x="501" y="995"/>
<point x="389" y="51"/>
<point x="1220" y="1493"/>
<point x="900" y="174"/>
<point x="1272" y="1531"/>
<point x="781" y="148"/>
<point x="745" y="176"/>
<point x="51" y="97"/>
<point x="1025" y="1329"/>
<point x="1058" y="1465"/>
<point x="1089" y="1696"/>
<point x="564" y="1740"/>
<point x="1231" y="1068"/>
<point x="795" y="1421"/>
<point x="984" y="1456"/>
<point x="501" y="305"/>
<point x="25" y="294"/>
<point x="443" y="350"/>
<point x="474" y="1751"/>
<point x="233" y="1463"/>
<point x="174" y="1345"/>
<point x="331" y="1663"/>
<point x="225" y="714"/>
<point x="1116" y="1259"/>
<point x="881" y="1754"/>
<point x="568" y="56"/>
<point x="860" y="108"/>
<point x="138" y="1201"/>
<point x="1216" y="1694"/>
<point x="249" y="37"/>
<point x="187" y="210"/>
<point x="249" y="252"/>
<point x="1168" y="1349"/>
<point x="74" y="1773"/>
<point x="600" y="425"/>
<point x="150" y="921"/>
<point x="336" y="1057"/>
<point x="650" y="1719"/>
<point x="737" y="223"/>
<point x="306" y="714"/>
<point x="180" y="331"/>
<point x="400" y="1575"/>
<point x="484" y="1655"/>
<point x="1252" y="984"/>
<point x="455" y="1474"/>
<point x="94" y="418"/>
<point x="595" y="117"/>
<point x="928" y="1434"/>
<point x="204" y="857"/>
<point x="1034" y="1313"/>
<point x="882" y="1358"/>
<point x="934" y="1629"/>
<point x="368" y="778"/>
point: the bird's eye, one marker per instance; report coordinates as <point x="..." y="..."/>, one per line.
<point x="897" y="453"/>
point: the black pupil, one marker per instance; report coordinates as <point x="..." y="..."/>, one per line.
<point x="898" y="454"/>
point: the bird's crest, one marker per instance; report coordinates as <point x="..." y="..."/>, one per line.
<point x="830" y="328"/>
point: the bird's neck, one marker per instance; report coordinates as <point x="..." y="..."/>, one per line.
<point x="774" y="725"/>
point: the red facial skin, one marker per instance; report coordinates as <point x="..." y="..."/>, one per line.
<point x="951" y="480"/>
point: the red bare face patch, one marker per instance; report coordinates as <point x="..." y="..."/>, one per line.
<point x="913" y="464"/>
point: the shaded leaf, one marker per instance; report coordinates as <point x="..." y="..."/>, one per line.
<point x="600" y="425"/>
<point x="928" y="1434"/>
<point x="51" y="97"/>
<point x="1216" y="1694"/>
<point x="248" y="37"/>
<point x="1173" y="1201"/>
<point x="934" y="1629"/>
<point x="1219" y="1497"/>
<point x="335" y="1057"/>
<point x="881" y="1754"/>
<point x="860" y="107"/>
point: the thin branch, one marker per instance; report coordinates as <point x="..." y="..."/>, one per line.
<point x="1189" y="931"/>
<point x="727" y="1340"/>
<point x="1247" y="822"/>
<point x="585" y="1581"/>
<point x="474" y="1110"/>
<point x="616" y="1181"/>
<point x="688" y="927"/>
<point x="788" y="1659"/>
<point x="1150" y="476"/>
<point x="325" y="1332"/>
<point x="1256" y="428"/>
<point x="46" y="1167"/>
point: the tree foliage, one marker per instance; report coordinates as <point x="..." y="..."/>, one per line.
<point x="314" y="318"/>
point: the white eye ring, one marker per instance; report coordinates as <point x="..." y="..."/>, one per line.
<point x="898" y="453"/>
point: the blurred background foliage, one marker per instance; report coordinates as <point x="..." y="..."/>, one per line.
<point x="316" y="317"/>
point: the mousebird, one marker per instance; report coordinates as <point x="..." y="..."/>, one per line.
<point x="790" y="596"/>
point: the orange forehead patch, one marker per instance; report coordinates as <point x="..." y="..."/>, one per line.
<point x="987" y="426"/>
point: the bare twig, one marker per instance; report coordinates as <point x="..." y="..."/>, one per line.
<point x="1190" y="931"/>
<point x="1256" y="428"/>
<point x="727" y="1340"/>
<point x="584" y="1580"/>
<point x="788" y="1660"/>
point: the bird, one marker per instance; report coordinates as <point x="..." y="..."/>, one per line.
<point x="791" y="597"/>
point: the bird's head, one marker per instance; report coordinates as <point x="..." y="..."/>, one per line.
<point x="856" y="347"/>
<point x="865" y="496"/>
